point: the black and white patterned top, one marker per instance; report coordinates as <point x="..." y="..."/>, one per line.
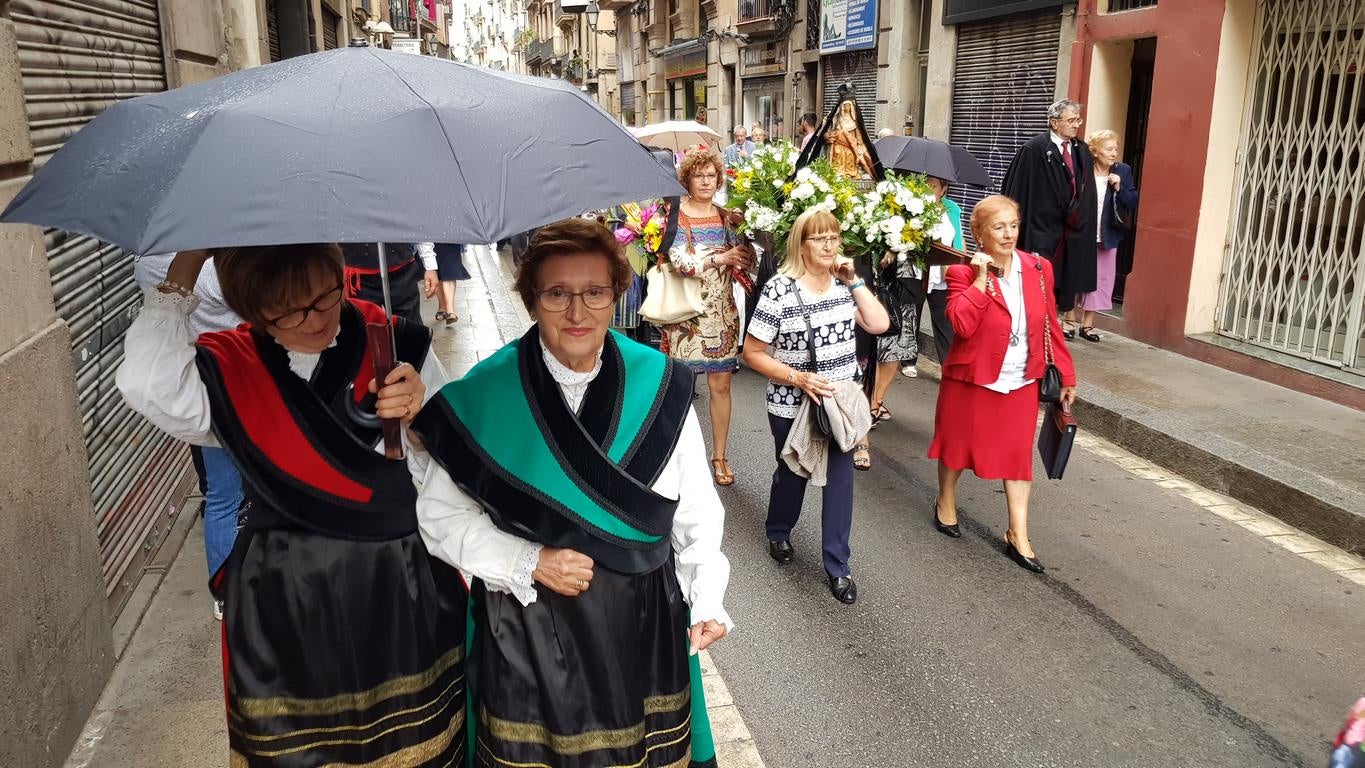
<point x="778" y="320"/>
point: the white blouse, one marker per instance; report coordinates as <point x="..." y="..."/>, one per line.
<point x="159" y="379"/>
<point x="458" y="531"/>
<point x="1012" y="287"/>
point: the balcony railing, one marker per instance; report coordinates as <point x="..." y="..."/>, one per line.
<point x="753" y="10"/>
<point x="1129" y="5"/>
<point x="401" y="18"/>
<point x="540" y="50"/>
<point x="812" y="25"/>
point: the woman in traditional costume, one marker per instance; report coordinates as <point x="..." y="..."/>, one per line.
<point x="343" y="639"/>
<point x="570" y="480"/>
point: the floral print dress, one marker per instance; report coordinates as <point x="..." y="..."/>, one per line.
<point x="709" y="342"/>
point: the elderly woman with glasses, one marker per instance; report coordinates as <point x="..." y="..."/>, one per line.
<point x="815" y="297"/>
<point x="712" y="253"/>
<point x="570" y="482"/>
<point x="343" y="638"/>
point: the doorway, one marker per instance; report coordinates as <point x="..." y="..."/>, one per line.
<point x="1134" y="148"/>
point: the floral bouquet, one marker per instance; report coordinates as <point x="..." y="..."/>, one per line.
<point x="645" y="223"/>
<point x="900" y="215"/>
<point x="769" y="196"/>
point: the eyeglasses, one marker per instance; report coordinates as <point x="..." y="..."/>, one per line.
<point x="296" y="317"/>
<point x="704" y="176"/>
<point x="558" y="300"/>
<point x="825" y="240"/>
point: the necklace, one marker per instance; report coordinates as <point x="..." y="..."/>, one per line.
<point x="1017" y="332"/>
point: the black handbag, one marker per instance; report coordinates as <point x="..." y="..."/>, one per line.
<point x="889" y="292"/>
<point x="821" y="416"/>
<point x="1050" y="386"/>
<point x="1122" y="220"/>
<point x="1055" y="439"/>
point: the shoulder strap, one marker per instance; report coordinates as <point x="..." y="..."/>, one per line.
<point x="805" y="313"/>
<point x="671" y="225"/>
<point x="1047" y="322"/>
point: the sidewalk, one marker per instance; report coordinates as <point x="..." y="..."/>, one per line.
<point x="163" y="706"/>
<point x="1294" y="456"/>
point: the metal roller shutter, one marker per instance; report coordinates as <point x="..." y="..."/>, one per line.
<point x="1005" y="79"/>
<point x="76" y="58"/>
<point x="330" y="22"/>
<point x="272" y="29"/>
<point x="857" y="67"/>
<point x="628" y="103"/>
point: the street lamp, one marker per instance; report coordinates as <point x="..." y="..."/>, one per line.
<point x="592" y="14"/>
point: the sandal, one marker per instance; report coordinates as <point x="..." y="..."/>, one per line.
<point x="862" y="459"/>
<point x="1068" y="330"/>
<point x="720" y="468"/>
<point x="1087" y="332"/>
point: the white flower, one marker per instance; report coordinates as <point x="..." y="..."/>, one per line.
<point x="917" y="223"/>
<point x="777" y="183"/>
<point x="893" y="225"/>
<point x="885" y="188"/>
<point x="915" y="206"/>
<point x="804" y="174"/>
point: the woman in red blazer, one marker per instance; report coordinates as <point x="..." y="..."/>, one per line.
<point x="988" y="399"/>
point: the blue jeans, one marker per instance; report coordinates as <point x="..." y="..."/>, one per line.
<point x="222" y="500"/>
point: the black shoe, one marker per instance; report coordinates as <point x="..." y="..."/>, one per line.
<point x="947" y="530"/>
<point x="781" y="551"/>
<point x="843" y="589"/>
<point x="1029" y="563"/>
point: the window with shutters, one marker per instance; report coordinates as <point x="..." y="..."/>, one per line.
<point x="330" y="24"/>
<point x="1295" y="258"/>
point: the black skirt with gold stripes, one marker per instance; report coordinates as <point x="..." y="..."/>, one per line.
<point x="342" y="652"/>
<point x="591" y="681"/>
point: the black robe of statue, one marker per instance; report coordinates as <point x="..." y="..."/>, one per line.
<point x="1054" y="222"/>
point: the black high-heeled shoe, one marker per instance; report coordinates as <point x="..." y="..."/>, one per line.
<point x="1027" y="563"/>
<point x="952" y="531"/>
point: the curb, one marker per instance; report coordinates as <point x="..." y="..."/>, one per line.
<point x="1291" y="494"/>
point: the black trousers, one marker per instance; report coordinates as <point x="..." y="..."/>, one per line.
<point x="836" y="509"/>
<point x="403" y="282"/>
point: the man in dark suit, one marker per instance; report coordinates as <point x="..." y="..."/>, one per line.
<point x="1053" y="179"/>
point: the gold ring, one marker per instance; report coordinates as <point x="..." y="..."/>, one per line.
<point x="582" y="585"/>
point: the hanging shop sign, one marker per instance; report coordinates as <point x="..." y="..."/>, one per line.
<point x="847" y="25"/>
<point x="689" y="64"/>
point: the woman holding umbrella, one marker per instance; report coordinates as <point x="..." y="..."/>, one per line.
<point x="343" y="640"/>
<point x="570" y="481"/>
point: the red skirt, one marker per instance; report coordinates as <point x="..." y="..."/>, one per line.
<point x="982" y="430"/>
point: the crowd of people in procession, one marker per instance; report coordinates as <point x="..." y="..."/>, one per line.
<point x="561" y="495"/>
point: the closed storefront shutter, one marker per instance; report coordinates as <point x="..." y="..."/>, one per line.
<point x="628" y="103"/>
<point x="1006" y="75"/>
<point x="330" y="22"/>
<point x="77" y="59"/>
<point x="272" y="29"/>
<point x="858" y="68"/>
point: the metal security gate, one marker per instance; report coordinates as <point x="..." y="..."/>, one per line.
<point x="1294" y="272"/>
<point x="1005" y="78"/>
<point x="272" y="29"/>
<point x="76" y="59"/>
<point x="858" y="68"/>
<point x="330" y="22"/>
<point x="628" y="103"/>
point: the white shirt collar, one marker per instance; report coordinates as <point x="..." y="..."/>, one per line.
<point x="1060" y="142"/>
<point x="566" y="376"/>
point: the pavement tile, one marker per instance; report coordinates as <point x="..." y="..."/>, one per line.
<point x="1267" y="527"/>
<point x="1299" y="543"/>
<point x="738" y="754"/>
<point x="717" y="693"/>
<point x="1205" y="498"/>
<point x="727" y="725"/>
<point x="1335" y="560"/>
<point x="1357" y="576"/>
<point x="708" y="667"/>
<point x="1233" y="512"/>
<point x="1148" y="474"/>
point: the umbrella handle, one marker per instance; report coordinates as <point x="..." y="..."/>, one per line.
<point x="380" y="340"/>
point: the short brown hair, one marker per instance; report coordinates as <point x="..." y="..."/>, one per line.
<point x="986" y="210"/>
<point x="257" y="278"/>
<point x="694" y="160"/>
<point x="565" y="238"/>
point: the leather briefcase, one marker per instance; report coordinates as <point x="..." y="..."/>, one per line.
<point x="1055" y="440"/>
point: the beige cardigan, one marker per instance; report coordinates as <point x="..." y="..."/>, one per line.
<point x="806" y="451"/>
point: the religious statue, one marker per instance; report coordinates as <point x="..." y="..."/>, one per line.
<point x="847" y="151"/>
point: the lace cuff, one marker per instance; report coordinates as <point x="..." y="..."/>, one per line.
<point x="522" y="583"/>
<point x="174" y="303"/>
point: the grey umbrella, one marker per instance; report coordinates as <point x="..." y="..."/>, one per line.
<point x="932" y="158"/>
<point x="351" y="145"/>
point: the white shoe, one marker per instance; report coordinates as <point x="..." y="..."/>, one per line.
<point x="909" y="372"/>
<point x="218" y="609"/>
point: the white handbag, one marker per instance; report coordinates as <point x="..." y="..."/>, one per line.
<point x="670" y="297"/>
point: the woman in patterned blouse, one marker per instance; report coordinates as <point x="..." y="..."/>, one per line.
<point x="709" y="342"/>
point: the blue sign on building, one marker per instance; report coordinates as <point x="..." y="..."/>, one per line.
<point x="847" y="25"/>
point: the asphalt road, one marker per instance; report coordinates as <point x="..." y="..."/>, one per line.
<point x="1161" y="634"/>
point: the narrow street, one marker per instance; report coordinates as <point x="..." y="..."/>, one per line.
<point x="1161" y="634"/>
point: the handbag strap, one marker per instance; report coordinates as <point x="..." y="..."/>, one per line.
<point x="805" y="313"/>
<point x="1047" y="312"/>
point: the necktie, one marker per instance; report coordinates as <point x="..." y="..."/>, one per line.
<point x="1070" y="163"/>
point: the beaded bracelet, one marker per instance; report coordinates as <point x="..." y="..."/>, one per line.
<point x="856" y="284"/>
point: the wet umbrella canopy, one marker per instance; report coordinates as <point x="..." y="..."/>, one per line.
<point x="351" y="145"/>
<point x="931" y="158"/>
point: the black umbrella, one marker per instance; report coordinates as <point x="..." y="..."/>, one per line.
<point x="932" y="158"/>
<point x="351" y="145"/>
